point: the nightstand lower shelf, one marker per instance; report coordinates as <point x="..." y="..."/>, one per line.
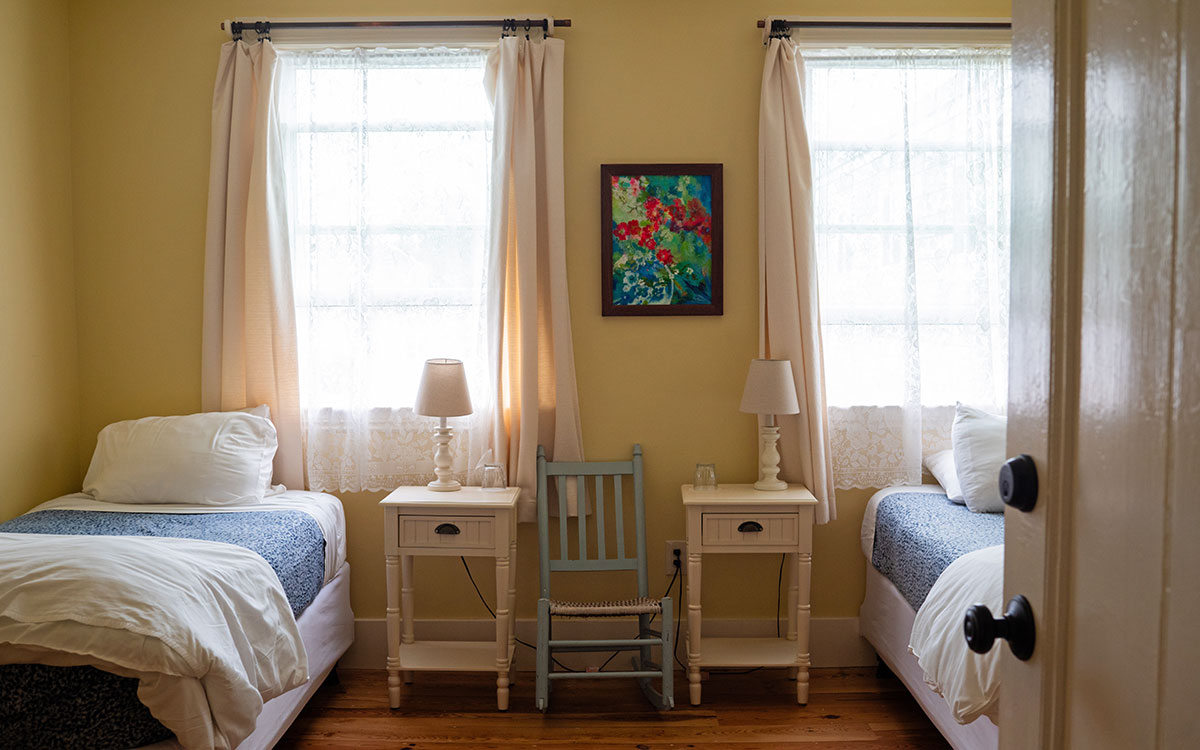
<point x="747" y="652"/>
<point x="450" y="656"/>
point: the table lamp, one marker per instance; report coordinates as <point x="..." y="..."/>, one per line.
<point x="443" y="393"/>
<point x="770" y="390"/>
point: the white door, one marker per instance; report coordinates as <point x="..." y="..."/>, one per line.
<point x="1105" y="374"/>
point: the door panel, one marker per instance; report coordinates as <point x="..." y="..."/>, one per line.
<point x="1105" y="376"/>
<point x="1125" y="384"/>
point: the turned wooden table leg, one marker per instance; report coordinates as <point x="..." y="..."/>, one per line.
<point x="802" y="571"/>
<point x="503" y="615"/>
<point x="393" y="629"/>
<point x="406" y="601"/>
<point x="693" y="583"/>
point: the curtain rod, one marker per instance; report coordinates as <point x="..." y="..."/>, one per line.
<point x="237" y="27"/>
<point x="845" y="24"/>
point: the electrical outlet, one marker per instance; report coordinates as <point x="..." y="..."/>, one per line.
<point x="669" y="556"/>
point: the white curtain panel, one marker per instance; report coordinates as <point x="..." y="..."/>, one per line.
<point x="911" y="174"/>
<point x="249" y="338"/>
<point x="789" y="315"/>
<point x="531" y="359"/>
<point x="388" y="157"/>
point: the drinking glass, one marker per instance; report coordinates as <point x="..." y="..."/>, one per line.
<point x="706" y="477"/>
<point x="493" y="477"/>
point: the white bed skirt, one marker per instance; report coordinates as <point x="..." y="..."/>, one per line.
<point x="886" y="621"/>
<point x="327" y="629"/>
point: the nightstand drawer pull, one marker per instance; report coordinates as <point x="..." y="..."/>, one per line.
<point x="446" y="528"/>
<point x="749" y="529"/>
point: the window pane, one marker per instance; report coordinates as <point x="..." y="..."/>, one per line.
<point x="911" y="197"/>
<point x="388" y="187"/>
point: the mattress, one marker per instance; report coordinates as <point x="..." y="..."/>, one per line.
<point x="46" y="706"/>
<point x="918" y="532"/>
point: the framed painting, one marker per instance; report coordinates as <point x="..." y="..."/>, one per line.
<point x="661" y="239"/>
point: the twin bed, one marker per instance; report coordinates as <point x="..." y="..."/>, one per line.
<point x="131" y="617"/>
<point x="929" y="559"/>
<point x="80" y="686"/>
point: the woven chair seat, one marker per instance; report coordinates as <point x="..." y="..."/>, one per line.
<point x="640" y="606"/>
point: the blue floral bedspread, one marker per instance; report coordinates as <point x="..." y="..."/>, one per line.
<point x="46" y="707"/>
<point x="918" y="535"/>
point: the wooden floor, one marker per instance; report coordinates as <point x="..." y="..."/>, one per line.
<point x="849" y="708"/>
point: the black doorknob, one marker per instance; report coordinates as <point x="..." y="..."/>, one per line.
<point x="981" y="629"/>
<point x="1019" y="483"/>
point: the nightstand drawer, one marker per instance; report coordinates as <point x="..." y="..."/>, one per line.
<point x="465" y="532"/>
<point x="748" y="529"/>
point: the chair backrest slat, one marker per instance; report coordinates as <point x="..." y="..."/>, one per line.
<point x="619" y="514"/>
<point x="640" y="511"/>
<point x="601" y="552"/>
<point x="561" y="481"/>
<point x="580" y="561"/>
<point x="581" y="514"/>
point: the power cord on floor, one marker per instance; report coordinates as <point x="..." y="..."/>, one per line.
<point x="676" y="576"/>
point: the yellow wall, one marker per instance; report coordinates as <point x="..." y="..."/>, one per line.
<point x="39" y="399"/>
<point x="670" y="80"/>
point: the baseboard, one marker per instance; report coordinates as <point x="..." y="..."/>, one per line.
<point x="835" y="641"/>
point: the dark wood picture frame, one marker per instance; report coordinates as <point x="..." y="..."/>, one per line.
<point x="610" y="234"/>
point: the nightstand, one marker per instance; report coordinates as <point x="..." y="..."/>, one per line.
<point x="471" y="522"/>
<point x="738" y="519"/>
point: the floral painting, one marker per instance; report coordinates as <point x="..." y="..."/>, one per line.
<point x="661" y="243"/>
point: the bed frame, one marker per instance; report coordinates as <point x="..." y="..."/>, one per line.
<point x="327" y="629"/>
<point x="886" y="621"/>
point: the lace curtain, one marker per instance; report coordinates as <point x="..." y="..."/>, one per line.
<point x="911" y="153"/>
<point x="388" y="155"/>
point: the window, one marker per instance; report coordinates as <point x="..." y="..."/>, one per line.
<point x="388" y="155"/>
<point x="911" y="153"/>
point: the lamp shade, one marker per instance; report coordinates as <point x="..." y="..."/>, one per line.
<point x="443" y="390"/>
<point x="770" y="388"/>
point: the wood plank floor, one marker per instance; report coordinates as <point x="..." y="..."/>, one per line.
<point x="848" y="708"/>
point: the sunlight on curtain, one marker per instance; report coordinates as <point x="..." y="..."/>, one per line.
<point x="388" y="181"/>
<point x="911" y="154"/>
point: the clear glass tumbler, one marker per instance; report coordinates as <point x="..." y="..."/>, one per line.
<point x="706" y="477"/>
<point x="493" y="477"/>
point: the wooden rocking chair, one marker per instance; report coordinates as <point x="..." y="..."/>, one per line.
<point x="643" y="606"/>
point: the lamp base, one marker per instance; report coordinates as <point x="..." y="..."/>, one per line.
<point x="771" y="486"/>
<point x="768" y="460"/>
<point x="442" y="460"/>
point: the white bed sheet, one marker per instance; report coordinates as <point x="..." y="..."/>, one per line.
<point x="327" y="630"/>
<point x="325" y="509"/>
<point x="886" y="621"/>
<point x="969" y="682"/>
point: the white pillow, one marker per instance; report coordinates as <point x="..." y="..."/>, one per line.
<point x="941" y="466"/>
<point x="978" y="440"/>
<point x="262" y="410"/>
<point x="214" y="458"/>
